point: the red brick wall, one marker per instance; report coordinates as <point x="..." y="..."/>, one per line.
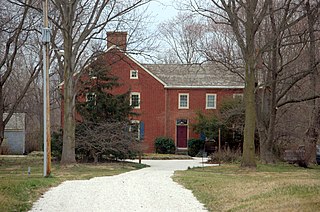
<point x="152" y="98"/>
<point x="159" y="106"/>
<point x="197" y="102"/>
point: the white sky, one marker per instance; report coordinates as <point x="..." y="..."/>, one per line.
<point x="162" y="10"/>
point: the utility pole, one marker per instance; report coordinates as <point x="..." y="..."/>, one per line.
<point x="46" y="97"/>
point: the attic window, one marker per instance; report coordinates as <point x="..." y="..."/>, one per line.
<point x="92" y="74"/>
<point x="133" y="74"/>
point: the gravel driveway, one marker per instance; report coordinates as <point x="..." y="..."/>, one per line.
<point x="148" y="189"/>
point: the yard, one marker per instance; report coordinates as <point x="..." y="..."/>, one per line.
<point x="269" y="188"/>
<point x="18" y="189"/>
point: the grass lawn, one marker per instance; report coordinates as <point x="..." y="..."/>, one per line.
<point x="18" y="190"/>
<point x="270" y="188"/>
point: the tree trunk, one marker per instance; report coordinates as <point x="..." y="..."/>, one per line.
<point x="314" y="124"/>
<point x="262" y="101"/>
<point x="68" y="150"/>
<point x="268" y="154"/>
<point x="248" y="157"/>
<point x="95" y="156"/>
<point x="2" y="125"/>
<point x="268" y="112"/>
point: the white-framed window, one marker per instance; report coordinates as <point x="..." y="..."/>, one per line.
<point x="90" y="72"/>
<point x="90" y="97"/>
<point x="238" y="96"/>
<point x="92" y="75"/>
<point x="211" y="101"/>
<point x="183" y="101"/>
<point x="134" y="74"/>
<point x="134" y="127"/>
<point x="135" y="100"/>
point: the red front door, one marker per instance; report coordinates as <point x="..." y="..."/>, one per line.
<point x="182" y="136"/>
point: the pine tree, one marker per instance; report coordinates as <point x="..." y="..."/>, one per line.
<point x="95" y="102"/>
<point x="104" y="125"/>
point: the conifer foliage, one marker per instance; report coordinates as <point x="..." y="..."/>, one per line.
<point x="104" y="127"/>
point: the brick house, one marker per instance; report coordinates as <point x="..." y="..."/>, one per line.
<point x="167" y="96"/>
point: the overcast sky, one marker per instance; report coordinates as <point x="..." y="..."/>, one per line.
<point x="162" y="10"/>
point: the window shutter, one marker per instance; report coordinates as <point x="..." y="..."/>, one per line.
<point x="141" y="130"/>
<point x="202" y="136"/>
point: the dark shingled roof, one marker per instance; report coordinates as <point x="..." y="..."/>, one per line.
<point x="195" y="75"/>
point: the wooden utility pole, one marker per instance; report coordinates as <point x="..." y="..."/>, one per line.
<point x="46" y="97"/>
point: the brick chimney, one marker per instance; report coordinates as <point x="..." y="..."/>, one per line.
<point x="117" y="38"/>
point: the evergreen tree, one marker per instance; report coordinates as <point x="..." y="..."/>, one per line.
<point x="95" y="102"/>
<point x="104" y="125"/>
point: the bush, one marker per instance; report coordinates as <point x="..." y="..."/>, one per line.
<point x="56" y="144"/>
<point x="164" y="145"/>
<point x="195" y="146"/>
<point x="226" y="156"/>
<point x="4" y="150"/>
<point x="110" y="140"/>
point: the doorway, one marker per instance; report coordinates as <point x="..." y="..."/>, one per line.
<point x="182" y="133"/>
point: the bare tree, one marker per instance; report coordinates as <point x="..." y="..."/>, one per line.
<point x="244" y="18"/>
<point x="284" y="45"/>
<point x="15" y="33"/>
<point x="81" y="22"/>
<point x="183" y="34"/>
<point x="313" y="10"/>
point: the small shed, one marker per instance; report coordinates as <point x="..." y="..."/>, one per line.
<point x="14" y="134"/>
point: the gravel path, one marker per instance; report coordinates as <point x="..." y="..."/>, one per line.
<point x="148" y="189"/>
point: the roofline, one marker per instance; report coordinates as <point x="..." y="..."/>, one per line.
<point x="205" y="86"/>
<point x="78" y="72"/>
<point x="141" y="66"/>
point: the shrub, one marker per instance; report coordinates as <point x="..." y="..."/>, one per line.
<point x="34" y="141"/>
<point x="4" y="150"/>
<point x="56" y="144"/>
<point x="195" y="146"/>
<point x="164" y="145"/>
<point x="226" y="156"/>
<point x="105" y="140"/>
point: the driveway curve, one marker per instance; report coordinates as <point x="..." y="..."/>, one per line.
<point x="148" y="189"/>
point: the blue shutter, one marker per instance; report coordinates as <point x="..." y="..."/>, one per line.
<point x="141" y="130"/>
<point x="202" y="136"/>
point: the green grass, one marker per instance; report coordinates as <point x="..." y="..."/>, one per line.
<point x="279" y="187"/>
<point x="18" y="190"/>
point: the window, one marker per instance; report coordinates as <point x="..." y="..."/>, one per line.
<point x="135" y="100"/>
<point x="91" y="100"/>
<point x="182" y="122"/>
<point x="133" y="74"/>
<point x="183" y="101"/>
<point x="90" y="97"/>
<point x="238" y="96"/>
<point x="211" y="100"/>
<point x="134" y="127"/>
<point x="92" y="74"/>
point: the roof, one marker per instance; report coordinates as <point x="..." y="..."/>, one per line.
<point x="195" y="76"/>
<point x="188" y="75"/>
